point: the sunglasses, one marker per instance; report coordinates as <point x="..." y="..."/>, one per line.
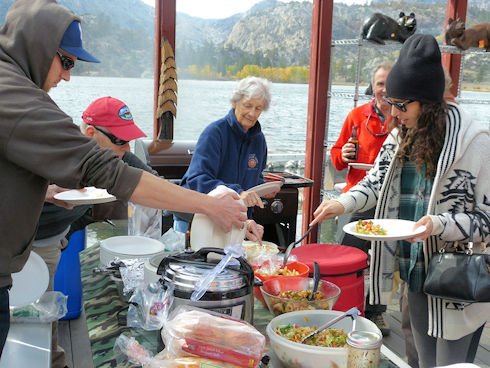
<point x="382" y="134"/>
<point x="113" y="138"/>
<point x="402" y="106"/>
<point x="66" y="62"/>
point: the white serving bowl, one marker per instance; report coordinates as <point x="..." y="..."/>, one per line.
<point x="296" y="355"/>
<point x="129" y="247"/>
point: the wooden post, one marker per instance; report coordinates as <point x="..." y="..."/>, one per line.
<point x="165" y="13"/>
<point x="452" y="62"/>
<point x="317" y="118"/>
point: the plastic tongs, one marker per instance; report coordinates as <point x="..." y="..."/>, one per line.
<point x="293" y="244"/>
<point x="233" y="250"/>
<point x="353" y="313"/>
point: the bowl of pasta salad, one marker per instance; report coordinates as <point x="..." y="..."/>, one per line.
<point x="289" y="294"/>
<point x="328" y="349"/>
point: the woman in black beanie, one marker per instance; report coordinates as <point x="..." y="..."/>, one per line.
<point x="433" y="169"/>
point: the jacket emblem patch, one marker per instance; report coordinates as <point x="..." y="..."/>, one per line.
<point x="252" y="161"/>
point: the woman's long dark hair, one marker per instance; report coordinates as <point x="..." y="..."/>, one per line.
<point x="423" y="144"/>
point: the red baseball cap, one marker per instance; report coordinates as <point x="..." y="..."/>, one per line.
<point x="113" y="114"/>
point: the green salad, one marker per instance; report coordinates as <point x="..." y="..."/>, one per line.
<point x="331" y="338"/>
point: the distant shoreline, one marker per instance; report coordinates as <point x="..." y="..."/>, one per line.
<point x="465" y="87"/>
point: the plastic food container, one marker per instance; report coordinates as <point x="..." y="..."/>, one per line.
<point x="302" y="269"/>
<point x="278" y="306"/>
<point x="293" y="354"/>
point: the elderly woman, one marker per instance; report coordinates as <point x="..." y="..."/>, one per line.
<point x="232" y="151"/>
<point x="432" y="169"/>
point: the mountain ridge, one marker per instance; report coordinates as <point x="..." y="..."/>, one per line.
<point x="269" y="34"/>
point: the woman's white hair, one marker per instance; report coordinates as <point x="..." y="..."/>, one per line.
<point x="252" y="87"/>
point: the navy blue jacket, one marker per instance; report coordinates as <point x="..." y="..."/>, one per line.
<point x="227" y="155"/>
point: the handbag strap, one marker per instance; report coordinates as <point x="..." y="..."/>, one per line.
<point x="470" y="242"/>
<point x="466" y="249"/>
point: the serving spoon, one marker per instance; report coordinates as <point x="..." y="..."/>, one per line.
<point x="353" y="313"/>
<point x="291" y="246"/>
<point x="316" y="280"/>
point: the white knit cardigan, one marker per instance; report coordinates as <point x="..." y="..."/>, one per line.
<point x="460" y="193"/>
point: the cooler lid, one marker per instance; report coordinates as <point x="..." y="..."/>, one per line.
<point x="333" y="259"/>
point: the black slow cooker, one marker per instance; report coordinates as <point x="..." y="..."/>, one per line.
<point x="230" y="293"/>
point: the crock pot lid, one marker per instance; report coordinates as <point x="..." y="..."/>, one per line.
<point x="187" y="274"/>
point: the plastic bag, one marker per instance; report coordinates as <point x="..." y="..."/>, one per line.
<point x="188" y="362"/>
<point x="232" y="251"/>
<point x="144" y="221"/>
<point x="48" y="308"/>
<point x="257" y="253"/>
<point x="192" y="331"/>
<point x="174" y="241"/>
<point x="149" y="306"/>
<point x="128" y="349"/>
<point x="132" y="274"/>
<point x="270" y="266"/>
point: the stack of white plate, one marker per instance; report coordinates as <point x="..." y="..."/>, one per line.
<point x="129" y="247"/>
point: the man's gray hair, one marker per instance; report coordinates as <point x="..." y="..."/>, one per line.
<point x="83" y="127"/>
<point x="252" y="87"/>
<point x="384" y="66"/>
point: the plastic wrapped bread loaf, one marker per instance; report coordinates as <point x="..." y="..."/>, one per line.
<point x="189" y="362"/>
<point x="191" y="331"/>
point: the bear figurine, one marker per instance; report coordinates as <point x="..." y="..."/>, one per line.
<point x="381" y="27"/>
<point x="476" y="36"/>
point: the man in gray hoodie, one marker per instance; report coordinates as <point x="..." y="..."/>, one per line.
<point x="40" y="144"/>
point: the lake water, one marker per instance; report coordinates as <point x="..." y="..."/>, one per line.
<point x="202" y="102"/>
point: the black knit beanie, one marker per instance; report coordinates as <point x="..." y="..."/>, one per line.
<point x="417" y="74"/>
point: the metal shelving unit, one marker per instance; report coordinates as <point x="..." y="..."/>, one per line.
<point x="392" y="46"/>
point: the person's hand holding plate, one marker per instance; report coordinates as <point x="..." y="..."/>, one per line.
<point x="429" y="226"/>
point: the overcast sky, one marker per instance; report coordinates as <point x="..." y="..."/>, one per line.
<point x="222" y="8"/>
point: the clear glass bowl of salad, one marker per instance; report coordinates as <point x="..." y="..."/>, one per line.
<point x="289" y="294"/>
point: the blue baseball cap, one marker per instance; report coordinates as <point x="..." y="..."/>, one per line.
<point x="72" y="43"/>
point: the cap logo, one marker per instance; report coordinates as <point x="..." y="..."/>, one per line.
<point x="80" y="30"/>
<point x="125" y="114"/>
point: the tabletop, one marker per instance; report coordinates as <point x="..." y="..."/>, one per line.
<point x="106" y="312"/>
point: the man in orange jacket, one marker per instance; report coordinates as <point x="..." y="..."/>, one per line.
<point x="373" y="123"/>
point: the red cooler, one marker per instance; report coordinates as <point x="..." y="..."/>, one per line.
<point x="342" y="265"/>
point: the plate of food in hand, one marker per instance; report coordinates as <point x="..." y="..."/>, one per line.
<point x="383" y="229"/>
<point x="91" y="195"/>
<point x="266" y="188"/>
<point x="360" y="166"/>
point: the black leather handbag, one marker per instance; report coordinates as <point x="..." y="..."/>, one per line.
<point x="459" y="276"/>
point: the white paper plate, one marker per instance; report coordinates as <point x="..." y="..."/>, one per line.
<point x="30" y="283"/>
<point x="128" y="247"/>
<point x="266" y="188"/>
<point x="395" y="230"/>
<point x="91" y="196"/>
<point x="359" y="166"/>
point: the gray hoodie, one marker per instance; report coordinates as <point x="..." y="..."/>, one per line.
<point x="39" y="144"/>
